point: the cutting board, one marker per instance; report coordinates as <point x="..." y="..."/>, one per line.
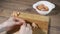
<point x="41" y="21"/>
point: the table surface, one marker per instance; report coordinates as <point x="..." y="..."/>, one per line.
<point x="8" y="6"/>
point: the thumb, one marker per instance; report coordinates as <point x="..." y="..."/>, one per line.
<point x="22" y="29"/>
<point x="28" y="29"/>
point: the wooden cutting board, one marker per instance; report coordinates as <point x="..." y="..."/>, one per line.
<point x="42" y="21"/>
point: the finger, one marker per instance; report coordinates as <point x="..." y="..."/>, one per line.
<point x="29" y="26"/>
<point x="28" y="29"/>
<point x="22" y="29"/>
<point x="18" y="19"/>
<point x="23" y="25"/>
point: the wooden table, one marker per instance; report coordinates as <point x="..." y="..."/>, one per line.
<point x="7" y="6"/>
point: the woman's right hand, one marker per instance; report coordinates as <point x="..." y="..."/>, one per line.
<point x="25" y="29"/>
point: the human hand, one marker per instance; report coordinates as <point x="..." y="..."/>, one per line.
<point x="12" y="21"/>
<point x="25" y="29"/>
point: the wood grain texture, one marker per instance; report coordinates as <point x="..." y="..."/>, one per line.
<point x="41" y="21"/>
